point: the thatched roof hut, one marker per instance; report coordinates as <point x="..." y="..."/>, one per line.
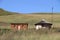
<point x="43" y="23"/>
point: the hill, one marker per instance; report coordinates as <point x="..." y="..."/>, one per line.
<point x="4" y="12"/>
<point x="31" y="19"/>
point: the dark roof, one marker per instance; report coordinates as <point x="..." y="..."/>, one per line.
<point x="43" y="22"/>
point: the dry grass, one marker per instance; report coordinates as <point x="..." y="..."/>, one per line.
<point x="31" y="19"/>
<point x="31" y="34"/>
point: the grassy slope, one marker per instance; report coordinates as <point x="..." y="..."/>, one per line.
<point x="31" y="19"/>
<point x="30" y="34"/>
<point x="3" y="12"/>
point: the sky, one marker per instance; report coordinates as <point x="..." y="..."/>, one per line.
<point x="30" y="6"/>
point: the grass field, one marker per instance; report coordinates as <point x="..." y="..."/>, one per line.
<point x="31" y="19"/>
<point x="31" y="33"/>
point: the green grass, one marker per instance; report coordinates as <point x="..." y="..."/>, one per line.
<point x="31" y="34"/>
<point x="31" y="19"/>
<point x="4" y="12"/>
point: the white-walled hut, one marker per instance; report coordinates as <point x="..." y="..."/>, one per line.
<point x="43" y="24"/>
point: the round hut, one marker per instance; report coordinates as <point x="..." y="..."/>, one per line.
<point x="43" y="24"/>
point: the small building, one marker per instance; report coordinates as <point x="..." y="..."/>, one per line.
<point x="43" y="24"/>
<point x="19" y="26"/>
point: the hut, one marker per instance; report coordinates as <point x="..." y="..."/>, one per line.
<point x="43" y="24"/>
<point x="19" y="26"/>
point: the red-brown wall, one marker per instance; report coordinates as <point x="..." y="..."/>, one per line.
<point x="17" y="26"/>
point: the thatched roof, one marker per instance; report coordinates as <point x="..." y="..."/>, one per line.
<point x="43" y="22"/>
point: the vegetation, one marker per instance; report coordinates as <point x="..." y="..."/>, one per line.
<point x="31" y="34"/>
<point x="31" y="19"/>
<point x="3" y="12"/>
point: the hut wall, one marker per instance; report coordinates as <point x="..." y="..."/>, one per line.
<point x="25" y="27"/>
<point x="19" y="26"/>
<point x="38" y="27"/>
